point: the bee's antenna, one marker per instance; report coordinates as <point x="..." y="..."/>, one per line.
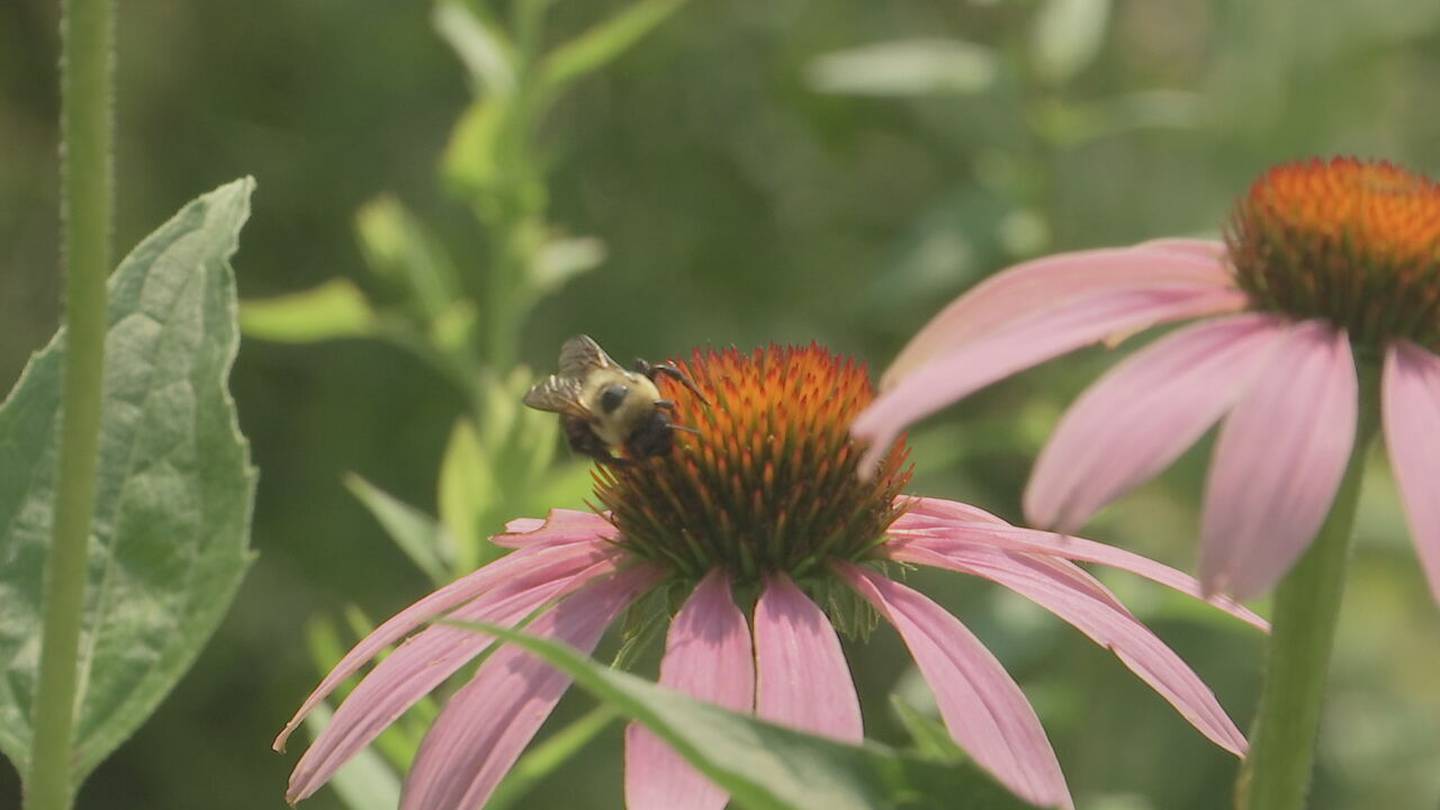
<point x="674" y="426"/>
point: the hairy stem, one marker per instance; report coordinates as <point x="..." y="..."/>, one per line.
<point x="1276" y="775"/>
<point x="86" y="69"/>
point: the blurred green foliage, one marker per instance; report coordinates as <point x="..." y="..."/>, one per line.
<point x="752" y="171"/>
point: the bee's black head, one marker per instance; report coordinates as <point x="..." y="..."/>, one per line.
<point x="654" y="436"/>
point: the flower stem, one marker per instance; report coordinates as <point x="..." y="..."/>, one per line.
<point x="87" y="69"/>
<point x="1276" y="774"/>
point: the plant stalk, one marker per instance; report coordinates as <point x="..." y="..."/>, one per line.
<point x="87" y="186"/>
<point x="1276" y="773"/>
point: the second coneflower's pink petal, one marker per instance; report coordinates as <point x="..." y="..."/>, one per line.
<point x="802" y="679"/>
<point x="1410" y="402"/>
<point x="482" y="730"/>
<point x="955" y="374"/>
<point x="1065" y="590"/>
<point x="1141" y="416"/>
<point x="439" y="602"/>
<point x="425" y="660"/>
<point x="707" y="656"/>
<point x="982" y="707"/>
<point x="1279" y="461"/>
<point x="561" y="526"/>
<point x="1211" y="250"/>
<point x="962" y="535"/>
<point x="1049" y="282"/>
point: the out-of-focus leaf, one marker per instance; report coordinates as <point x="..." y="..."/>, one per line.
<point x="467" y="493"/>
<point x="397" y="247"/>
<point x="365" y="782"/>
<point x="481" y="48"/>
<point x="1067" y="124"/>
<point x="1067" y="36"/>
<point x="335" y="309"/>
<point x="600" y="45"/>
<point x="931" y="739"/>
<point x="453" y="329"/>
<point x="469" y="165"/>
<point x="174" y="486"/>
<point x="909" y="67"/>
<point x="542" y="760"/>
<point x="416" y="533"/>
<point x="560" y="260"/>
<point x="766" y="766"/>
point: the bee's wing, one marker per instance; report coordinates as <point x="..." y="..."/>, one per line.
<point x="581" y="355"/>
<point x="558" y="394"/>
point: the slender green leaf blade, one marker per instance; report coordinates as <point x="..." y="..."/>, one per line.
<point x="174" y="485"/>
<point x="335" y="309"/>
<point x="767" y="767"/>
<point x="605" y="42"/>
<point x="365" y="782"/>
<point x="931" y="739"/>
<point x="416" y="533"/>
<point x="541" y="760"/>
<point x="467" y="492"/>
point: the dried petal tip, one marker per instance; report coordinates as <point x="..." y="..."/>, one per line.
<point x="768" y="482"/>
<point x="1354" y="242"/>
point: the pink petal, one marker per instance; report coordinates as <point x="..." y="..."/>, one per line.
<point x="1411" y="405"/>
<point x="425" y="660"/>
<point x="561" y="526"/>
<point x="962" y="535"/>
<point x="1208" y="249"/>
<point x="1065" y="590"/>
<point x="707" y="656"/>
<point x="956" y="373"/>
<point x="1049" y="282"/>
<point x="1278" y="461"/>
<point x="984" y="709"/>
<point x="482" y="730"/>
<point x="441" y="601"/>
<point x="803" y="680"/>
<point x="921" y="511"/>
<point x="1141" y="416"/>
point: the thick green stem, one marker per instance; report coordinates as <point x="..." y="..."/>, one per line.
<point x="1276" y="775"/>
<point x="87" y="68"/>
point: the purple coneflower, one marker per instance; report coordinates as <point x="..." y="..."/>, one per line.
<point x="1323" y="264"/>
<point x="763" y="504"/>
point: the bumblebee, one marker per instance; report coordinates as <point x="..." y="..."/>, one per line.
<point x="607" y="409"/>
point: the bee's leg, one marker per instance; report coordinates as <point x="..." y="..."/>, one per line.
<point x="653" y="370"/>
<point x="665" y="403"/>
<point x="583" y="440"/>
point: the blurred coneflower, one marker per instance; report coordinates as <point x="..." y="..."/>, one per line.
<point x="1324" y="263"/>
<point x="756" y="525"/>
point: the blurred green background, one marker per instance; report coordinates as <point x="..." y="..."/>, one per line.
<point x="757" y="170"/>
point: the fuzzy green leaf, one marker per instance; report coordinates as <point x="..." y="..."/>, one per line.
<point x="767" y="767"/>
<point x="174" y="486"/>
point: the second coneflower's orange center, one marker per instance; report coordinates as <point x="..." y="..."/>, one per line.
<point x="768" y="482"/>
<point x="1354" y="242"/>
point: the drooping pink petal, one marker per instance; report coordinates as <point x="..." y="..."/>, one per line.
<point x="983" y="709"/>
<point x="1410" y="403"/>
<point x="438" y="602"/>
<point x="1141" y="416"/>
<point x="1049" y="282"/>
<point x="1067" y="591"/>
<point x="425" y="660"/>
<point x="803" y="680"/>
<point x="921" y="511"/>
<point x="954" y="374"/>
<point x="482" y="730"/>
<point x="962" y="535"/>
<point x="1209" y="249"/>
<point x="707" y="656"/>
<point x="561" y="526"/>
<point x="1278" y="461"/>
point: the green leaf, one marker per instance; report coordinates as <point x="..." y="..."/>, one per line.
<point x="542" y="760"/>
<point x="605" y="42"/>
<point x="931" y="739"/>
<point x="469" y="165"/>
<point x="335" y="309"/>
<point x="467" y="492"/>
<point x="481" y="48"/>
<point x="765" y="766"/>
<point x="398" y="248"/>
<point x="561" y="259"/>
<point x="416" y="533"/>
<point x="1067" y="36"/>
<point x="174" y="485"/>
<point x="910" y="67"/>
<point x="365" y="782"/>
